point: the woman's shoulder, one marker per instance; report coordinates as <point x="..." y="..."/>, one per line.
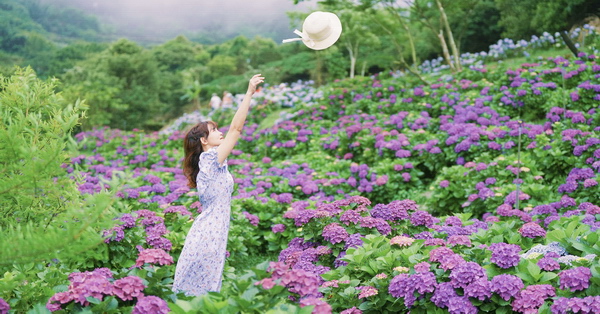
<point x="209" y="154"/>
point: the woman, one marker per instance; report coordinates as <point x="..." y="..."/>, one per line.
<point x="200" y="265"/>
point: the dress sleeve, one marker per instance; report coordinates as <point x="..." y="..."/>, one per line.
<point x="209" y="168"/>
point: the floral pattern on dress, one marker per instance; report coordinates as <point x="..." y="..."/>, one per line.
<point x="200" y="265"/>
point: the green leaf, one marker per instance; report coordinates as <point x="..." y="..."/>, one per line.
<point x="547" y="276"/>
<point x="534" y="270"/>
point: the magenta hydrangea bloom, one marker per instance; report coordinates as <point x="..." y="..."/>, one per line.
<point x="442" y="294"/>
<point x="466" y="273"/>
<point x="576" y="279"/>
<point x="532" y="298"/>
<point x="479" y="289"/>
<point x="4" y="306"/>
<point x="252" y="218"/>
<point x="461" y="305"/>
<point x="320" y="305"/>
<point x="334" y="233"/>
<point x="153" y="256"/>
<point x="506" y="286"/>
<point x="423" y="218"/>
<point x="278" y="228"/>
<point x="587" y="305"/>
<point x="128" y="287"/>
<point x="366" y="291"/>
<point x="548" y="264"/>
<point x="532" y="230"/>
<point x="459" y="240"/>
<point x="352" y="310"/>
<point x="505" y="255"/>
<point x="150" y="304"/>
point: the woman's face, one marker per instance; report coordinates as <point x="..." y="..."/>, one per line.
<point x="214" y="138"/>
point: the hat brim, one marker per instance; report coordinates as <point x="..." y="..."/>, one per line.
<point x="336" y="32"/>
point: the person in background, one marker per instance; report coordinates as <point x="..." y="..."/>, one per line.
<point x="200" y="265"/>
<point x="227" y="100"/>
<point x="215" y="102"/>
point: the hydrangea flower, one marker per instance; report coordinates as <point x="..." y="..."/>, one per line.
<point x="576" y="279"/>
<point x="505" y="255"/>
<point x="532" y="298"/>
<point x="4" y="306"/>
<point x="402" y="241"/>
<point x="153" y="256"/>
<point x="479" y="289"/>
<point x="352" y="310"/>
<point x="128" y="287"/>
<point x="442" y="294"/>
<point x="548" y="264"/>
<point x="150" y="304"/>
<point x="466" y="273"/>
<point x="252" y="218"/>
<point x="532" y="230"/>
<point x="278" y="228"/>
<point x="334" y="233"/>
<point x="506" y="286"/>
<point x="366" y="291"/>
<point x="461" y="305"/>
<point x="320" y="305"/>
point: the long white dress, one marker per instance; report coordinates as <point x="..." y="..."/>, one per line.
<point x="200" y="265"/>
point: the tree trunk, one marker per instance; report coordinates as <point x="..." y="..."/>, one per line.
<point x="445" y="50"/>
<point x="352" y="59"/>
<point x="446" y="25"/>
<point x="364" y="68"/>
<point x="569" y="43"/>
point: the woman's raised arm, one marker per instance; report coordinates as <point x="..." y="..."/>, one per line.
<point x="235" y="130"/>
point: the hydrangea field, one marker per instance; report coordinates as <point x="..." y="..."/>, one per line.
<point x="477" y="193"/>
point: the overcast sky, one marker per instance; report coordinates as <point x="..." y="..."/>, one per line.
<point x="155" y="19"/>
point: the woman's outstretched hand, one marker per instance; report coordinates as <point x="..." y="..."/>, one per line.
<point x="254" y="81"/>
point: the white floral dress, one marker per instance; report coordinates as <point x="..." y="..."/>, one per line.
<point x="200" y="265"/>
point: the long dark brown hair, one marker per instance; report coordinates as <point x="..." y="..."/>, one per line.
<point x="192" y="148"/>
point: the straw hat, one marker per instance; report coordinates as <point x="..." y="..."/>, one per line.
<point x="320" y="30"/>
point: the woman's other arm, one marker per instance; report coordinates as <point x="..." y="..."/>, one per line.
<point x="235" y="129"/>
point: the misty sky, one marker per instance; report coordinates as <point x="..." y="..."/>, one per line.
<point x="155" y="20"/>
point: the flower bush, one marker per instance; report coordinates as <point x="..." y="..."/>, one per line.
<point x="478" y="192"/>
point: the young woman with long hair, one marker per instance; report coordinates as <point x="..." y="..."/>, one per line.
<point x="200" y="265"/>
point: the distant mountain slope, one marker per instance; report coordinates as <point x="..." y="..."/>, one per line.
<point x="20" y="18"/>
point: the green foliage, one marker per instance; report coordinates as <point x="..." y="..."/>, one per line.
<point x="42" y="212"/>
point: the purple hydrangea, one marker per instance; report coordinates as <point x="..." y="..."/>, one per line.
<point x="532" y="298"/>
<point x="278" y="228"/>
<point x="4" y="307"/>
<point x="150" y="304"/>
<point x="422" y="218"/>
<point x="405" y="286"/>
<point x="479" y="289"/>
<point x="505" y="255"/>
<point x="128" y="287"/>
<point x="252" y="218"/>
<point x="506" y="286"/>
<point x="153" y="256"/>
<point x="352" y="310"/>
<point x="354" y="240"/>
<point x="461" y="305"/>
<point x="576" y="279"/>
<point x="466" y="273"/>
<point x="334" y="233"/>
<point x="442" y="294"/>
<point x="548" y="264"/>
<point x="532" y="230"/>
<point x="587" y="305"/>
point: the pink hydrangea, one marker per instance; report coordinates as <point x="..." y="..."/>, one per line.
<point x="128" y="287"/>
<point x="150" y="304"/>
<point x="153" y="256"/>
